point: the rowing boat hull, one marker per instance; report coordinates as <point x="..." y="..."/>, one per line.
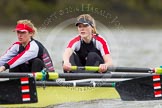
<point x="58" y="95"/>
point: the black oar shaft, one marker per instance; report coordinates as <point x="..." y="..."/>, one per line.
<point x="79" y="75"/>
<point x="104" y="75"/>
<point x="15" y="75"/>
<point x="129" y="69"/>
<point x="113" y="69"/>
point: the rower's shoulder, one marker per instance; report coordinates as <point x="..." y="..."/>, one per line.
<point x="75" y="39"/>
<point x="99" y="37"/>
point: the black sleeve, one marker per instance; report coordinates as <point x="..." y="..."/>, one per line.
<point x="6" y="65"/>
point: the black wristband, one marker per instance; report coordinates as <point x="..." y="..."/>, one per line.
<point x="6" y="66"/>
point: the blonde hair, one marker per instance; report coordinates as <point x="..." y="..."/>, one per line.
<point x="29" y="23"/>
<point x="90" y="18"/>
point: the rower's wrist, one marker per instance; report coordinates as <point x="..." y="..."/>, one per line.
<point x="66" y="62"/>
<point x="6" y="66"/>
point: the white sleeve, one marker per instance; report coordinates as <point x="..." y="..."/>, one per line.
<point x="10" y="53"/>
<point x="30" y="52"/>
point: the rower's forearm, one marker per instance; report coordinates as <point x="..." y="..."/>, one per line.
<point x="109" y="64"/>
<point x="66" y="56"/>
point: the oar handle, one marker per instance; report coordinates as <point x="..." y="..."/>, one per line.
<point x="87" y="68"/>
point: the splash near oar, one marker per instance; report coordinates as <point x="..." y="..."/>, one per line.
<point x="18" y="91"/>
<point x="144" y="88"/>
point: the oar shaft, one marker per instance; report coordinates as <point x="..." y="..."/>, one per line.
<point x="129" y="69"/>
<point x="16" y="75"/>
<point x="114" y="69"/>
<point x="98" y="75"/>
<point x="53" y="75"/>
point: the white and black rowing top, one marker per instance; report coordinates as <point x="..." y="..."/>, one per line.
<point x="98" y="44"/>
<point x="17" y="54"/>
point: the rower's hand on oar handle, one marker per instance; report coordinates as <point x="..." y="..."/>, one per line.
<point x="102" y="68"/>
<point x="2" y="68"/>
<point x="67" y="66"/>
